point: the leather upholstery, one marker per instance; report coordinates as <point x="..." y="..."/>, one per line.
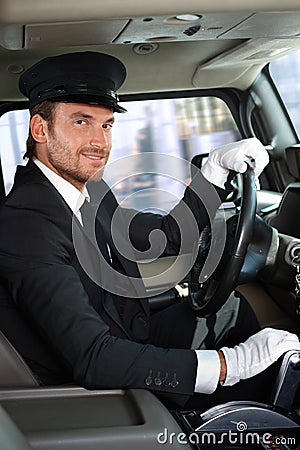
<point x="13" y="369"/>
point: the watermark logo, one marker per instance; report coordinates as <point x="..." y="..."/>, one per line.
<point x="123" y="226"/>
<point x="241" y="426"/>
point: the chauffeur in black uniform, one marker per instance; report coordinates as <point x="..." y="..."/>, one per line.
<point x="62" y="317"/>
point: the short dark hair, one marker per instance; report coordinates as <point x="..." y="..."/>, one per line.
<point x="46" y="111"/>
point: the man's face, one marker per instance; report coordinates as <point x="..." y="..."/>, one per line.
<point x="79" y="143"/>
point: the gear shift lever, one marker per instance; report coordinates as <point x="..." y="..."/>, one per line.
<point x="288" y="380"/>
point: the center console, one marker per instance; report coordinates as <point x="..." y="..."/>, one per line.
<point x="77" y="419"/>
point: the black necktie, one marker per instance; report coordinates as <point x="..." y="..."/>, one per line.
<point x="129" y="311"/>
<point x="90" y="222"/>
<point x="90" y="225"/>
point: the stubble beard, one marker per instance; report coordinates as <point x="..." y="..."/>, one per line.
<point x="67" y="166"/>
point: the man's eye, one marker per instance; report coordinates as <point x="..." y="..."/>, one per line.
<point x="107" y="125"/>
<point x="80" y="122"/>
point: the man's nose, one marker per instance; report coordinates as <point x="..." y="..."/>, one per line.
<point x="98" y="138"/>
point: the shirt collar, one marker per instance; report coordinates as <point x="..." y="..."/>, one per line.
<point x="72" y="196"/>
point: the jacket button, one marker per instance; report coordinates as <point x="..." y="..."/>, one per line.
<point x="166" y="381"/>
<point x="148" y="380"/>
<point x="143" y="320"/>
<point x="157" y="380"/>
<point x="174" y="383"/>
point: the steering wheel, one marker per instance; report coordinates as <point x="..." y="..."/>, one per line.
<point x="208" y="297"/>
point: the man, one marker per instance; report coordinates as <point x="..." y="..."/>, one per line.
<point x="77" y="326"/>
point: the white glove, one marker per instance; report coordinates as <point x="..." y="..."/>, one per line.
<point x="257" y="353"/>
<point x="233" y="157"/>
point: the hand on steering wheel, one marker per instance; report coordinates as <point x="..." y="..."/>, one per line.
<point x="208" y="297"/>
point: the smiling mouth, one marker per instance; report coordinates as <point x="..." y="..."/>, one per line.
<point x="94" y="156"/>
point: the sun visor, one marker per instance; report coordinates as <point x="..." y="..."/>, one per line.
<point x="245" y="59"/>
<point x="61" y="34"/>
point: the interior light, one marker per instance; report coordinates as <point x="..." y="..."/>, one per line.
<point x="188" y="17"/>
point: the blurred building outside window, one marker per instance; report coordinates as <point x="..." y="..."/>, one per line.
<point x="286" y="75"/>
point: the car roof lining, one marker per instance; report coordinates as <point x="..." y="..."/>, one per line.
<point x="224" y="45"/>
<point x="19" y="11"/>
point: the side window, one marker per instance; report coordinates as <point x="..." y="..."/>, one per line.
<point x="285" y="72"/>
<point x="13" y="132"/>
<point x="179" y="128"/>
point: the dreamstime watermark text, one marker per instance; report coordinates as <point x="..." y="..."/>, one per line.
<point x="240" y="436"/>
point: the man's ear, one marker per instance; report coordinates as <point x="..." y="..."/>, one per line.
<point x="39" y="129"/>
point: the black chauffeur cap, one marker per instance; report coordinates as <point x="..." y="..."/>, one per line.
<point x="82" y="77"/>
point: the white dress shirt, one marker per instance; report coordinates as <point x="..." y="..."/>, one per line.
<point x="208" y="368"/>
<point x="72" y="196"/>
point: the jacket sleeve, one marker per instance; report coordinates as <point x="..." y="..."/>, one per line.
<point x="36" y="262"/>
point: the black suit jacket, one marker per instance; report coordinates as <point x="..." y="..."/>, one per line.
<point x="81" y="336"/>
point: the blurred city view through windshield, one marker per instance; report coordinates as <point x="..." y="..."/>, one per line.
<point x="180" y="128"/>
